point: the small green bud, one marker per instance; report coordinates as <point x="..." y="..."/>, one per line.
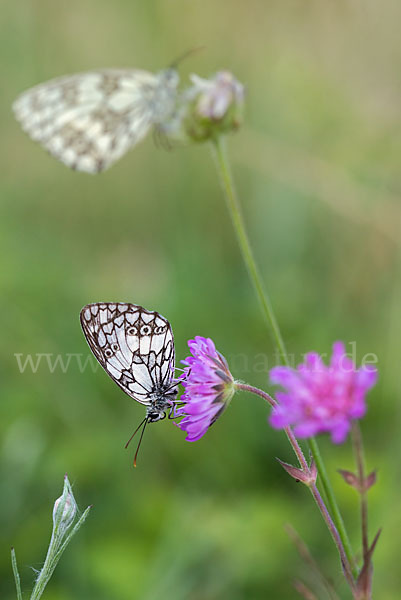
<point x="65" y="507"/>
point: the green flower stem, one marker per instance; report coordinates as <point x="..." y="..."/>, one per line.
<point x="223" y="169"/>
<point x="46" y="571"/>
<point x="332" y="503"/>
<point x="56" y="548"/>
<point x="359" y="454"/>
<point x="16" y="574"/>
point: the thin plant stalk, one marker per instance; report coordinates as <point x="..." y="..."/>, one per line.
<point x="346" y="564"/>
<point x="56" y="548"/>
<point x="332" y="503"/>
<point x="64" y="515"/>
<point x="46" y="571"/>
<point x="307" y="557"/>
<point x="288" y="431"/>
<point x="224" y="172"/>
<point x="336" y="537"/>
<point x="360" y="464"/>
<point x="16" y="574"/>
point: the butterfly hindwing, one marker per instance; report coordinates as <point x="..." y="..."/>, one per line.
<point x="89" y="120"/>
<point x="134" y="346"/>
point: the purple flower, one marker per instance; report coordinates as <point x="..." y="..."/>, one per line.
<point x="320" y="398"/>
<point x="209" y="387"/>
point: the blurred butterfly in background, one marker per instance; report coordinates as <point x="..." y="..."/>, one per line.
<point x="89" y="120"/>
<point x="136" y="348"/>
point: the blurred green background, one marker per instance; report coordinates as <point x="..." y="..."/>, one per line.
<point x="317" y="164"/>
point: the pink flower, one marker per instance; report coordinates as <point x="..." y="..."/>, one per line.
<point x="217" y="95"/>
<point x="209" y="387"/>
<point x="319" y="398"/>
<point x="211" y="107"/>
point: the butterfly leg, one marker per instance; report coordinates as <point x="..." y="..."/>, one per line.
<point x="160" y="139"/>
<point x="172" y="415"/>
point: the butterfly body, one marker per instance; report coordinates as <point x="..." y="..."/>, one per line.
<point x="136" y="348"/>
<point x="164" y="98"/>
<point x="89" y="120"/>
<point x="162" y="402"/>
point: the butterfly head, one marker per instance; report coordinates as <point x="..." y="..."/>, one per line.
<point x="169" y="78"/>
<point x="154" y="415"/>
<point x="163" y="400"/>
<point x="165" y="96"/>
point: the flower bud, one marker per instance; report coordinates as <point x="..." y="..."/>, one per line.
<point x="65" y="505"/>
<point x="214" y="106"/>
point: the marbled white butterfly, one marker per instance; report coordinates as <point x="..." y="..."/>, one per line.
<point x="135" y="347"/>
<point x="89" y="120"/>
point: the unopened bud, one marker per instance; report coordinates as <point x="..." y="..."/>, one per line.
<point x="66" y="505"/>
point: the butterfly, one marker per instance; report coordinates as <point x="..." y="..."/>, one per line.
<point x="135" y="347"/>
<point x="89" y="120"/>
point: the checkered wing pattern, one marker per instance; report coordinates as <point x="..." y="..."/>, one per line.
<point x="89" y="120"/>
<point x="134" y="346"/>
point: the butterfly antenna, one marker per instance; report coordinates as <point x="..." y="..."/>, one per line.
<point x="133" y="435"/>
<point x="140" y="440"/>
<point x="178" y="60"/>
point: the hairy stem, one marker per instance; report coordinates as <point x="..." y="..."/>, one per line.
<point x="332" y="503"/>
<point x="16" y="574"/>
<point x="360" y="464"/>
<point x="46" y="571"/>
<point x="224" y="172"/>
<point x="345" y="562"/>
<point x="336" y="537"/>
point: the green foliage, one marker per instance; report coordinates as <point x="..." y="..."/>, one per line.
<point x="317" y="169"/>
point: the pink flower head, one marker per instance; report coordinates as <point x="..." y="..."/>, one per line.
<point x="320" y="398"/>
<point x="217" y="95"/>
<point x="211" y="107"/>
<point x="209" y="387"/>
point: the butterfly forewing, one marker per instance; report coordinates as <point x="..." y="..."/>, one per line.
<point x="134" y="346"/>
<point x="88" y="120"/>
